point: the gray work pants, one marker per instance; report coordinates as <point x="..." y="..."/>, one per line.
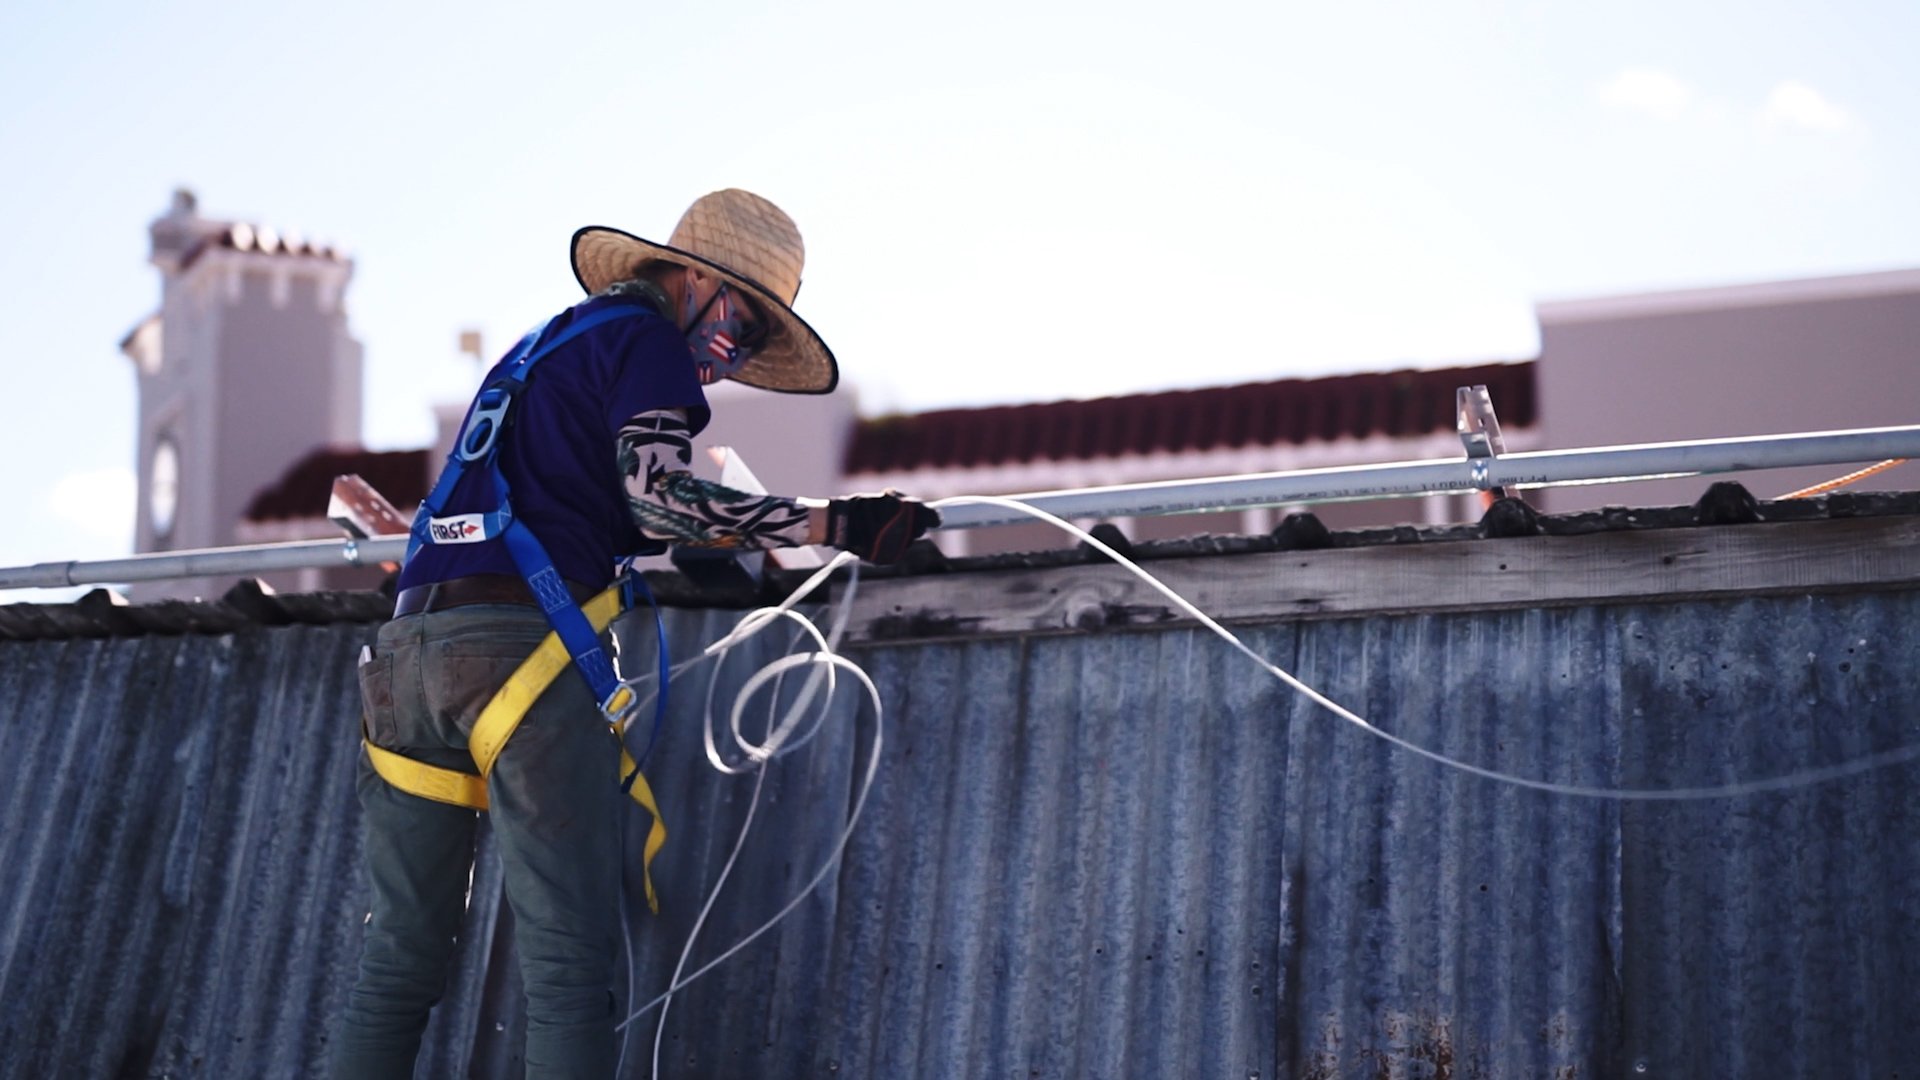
<point x="554" y="799"/>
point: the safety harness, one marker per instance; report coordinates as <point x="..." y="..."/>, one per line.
<point x="575" y="637"/>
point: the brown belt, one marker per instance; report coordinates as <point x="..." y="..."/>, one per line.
<point x="476" y="589"/>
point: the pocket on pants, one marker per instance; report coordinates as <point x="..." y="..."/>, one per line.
<point x="376" y="701"/>
<point x="463" y="676"/>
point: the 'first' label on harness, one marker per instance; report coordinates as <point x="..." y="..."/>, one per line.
<point x="458" y="529"/>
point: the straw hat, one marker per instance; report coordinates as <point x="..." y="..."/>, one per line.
<point x="750" y="244"/>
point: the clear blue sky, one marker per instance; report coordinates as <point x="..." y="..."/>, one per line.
<point x="1002" y="201"/>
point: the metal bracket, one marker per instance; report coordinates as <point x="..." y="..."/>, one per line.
<point x="1479" y="429"/>
<point x="363" y="513"/>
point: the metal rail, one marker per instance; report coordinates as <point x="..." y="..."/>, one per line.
<point x="1456" y="476"/>
<point x="207" y="562"/>
<point x="1406" y="479"/>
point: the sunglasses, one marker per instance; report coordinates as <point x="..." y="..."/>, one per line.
<point x="753" y="328"/>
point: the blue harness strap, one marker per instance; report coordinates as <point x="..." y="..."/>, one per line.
<point x="479" y="446"/>
<point x="630" y="580"/>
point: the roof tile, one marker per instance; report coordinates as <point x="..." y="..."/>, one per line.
<point x="1395" y="404"/>
<point x="400" y="475"/>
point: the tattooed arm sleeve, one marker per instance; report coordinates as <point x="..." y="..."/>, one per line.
<point x="670" y="503"/>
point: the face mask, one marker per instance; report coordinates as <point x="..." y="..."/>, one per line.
<point x="722" y="338"/>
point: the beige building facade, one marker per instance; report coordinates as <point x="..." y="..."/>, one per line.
<point x="247" y="365"/>
<point x="1772" y="358"/>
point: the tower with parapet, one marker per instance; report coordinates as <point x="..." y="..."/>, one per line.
<point x="247" y="366"/>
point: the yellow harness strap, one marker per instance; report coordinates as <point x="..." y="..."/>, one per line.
<point x="496" y="725"/>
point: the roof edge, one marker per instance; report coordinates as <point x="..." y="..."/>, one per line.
<point x="1184" y="390"/>
<point x="1728" y="297"/>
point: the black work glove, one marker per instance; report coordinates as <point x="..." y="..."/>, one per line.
<point x="878" y="528"/>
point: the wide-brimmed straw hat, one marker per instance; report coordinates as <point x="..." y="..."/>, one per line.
<point x="750" y="244"/>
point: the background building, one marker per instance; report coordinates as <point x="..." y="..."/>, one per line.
<point x="246" y="367"/>
<point x="1814" y="355"/>
<point x="1214" y="431"/>
<point x="251" y="322"/>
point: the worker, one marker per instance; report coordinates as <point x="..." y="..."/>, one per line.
<point x="574" y="454"/>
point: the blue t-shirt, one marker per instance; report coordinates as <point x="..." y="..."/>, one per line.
<point x="559" y="451"/>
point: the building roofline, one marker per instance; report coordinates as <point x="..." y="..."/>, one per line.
<point x="1723" y="546"/>
<point x="1729" y="297"/>
<point x="1406" y="402"/>
<point x="126" y="341"/>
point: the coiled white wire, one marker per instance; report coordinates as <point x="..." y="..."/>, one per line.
<point x="785" y="737"/>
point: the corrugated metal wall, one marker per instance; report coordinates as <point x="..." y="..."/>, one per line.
<point x="179" y="852"/>
<point x="1103" y="855"/>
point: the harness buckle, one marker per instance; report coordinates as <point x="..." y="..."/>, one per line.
<point x="619" y="705"/>
<point x="483" y="428"/>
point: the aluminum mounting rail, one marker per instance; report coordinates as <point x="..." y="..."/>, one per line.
<point x="207" y="562"/>
<point x="1407" y="479"/>
<point x="1456" y="476"/>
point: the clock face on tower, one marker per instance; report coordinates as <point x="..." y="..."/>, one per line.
<point x="163" y="491"/>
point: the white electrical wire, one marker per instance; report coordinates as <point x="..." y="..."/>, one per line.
<point x="780" y="740"/>
<point x="626" y="931"/>
<point x="782" y="737"/>
<point x="1802" y="778"/>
